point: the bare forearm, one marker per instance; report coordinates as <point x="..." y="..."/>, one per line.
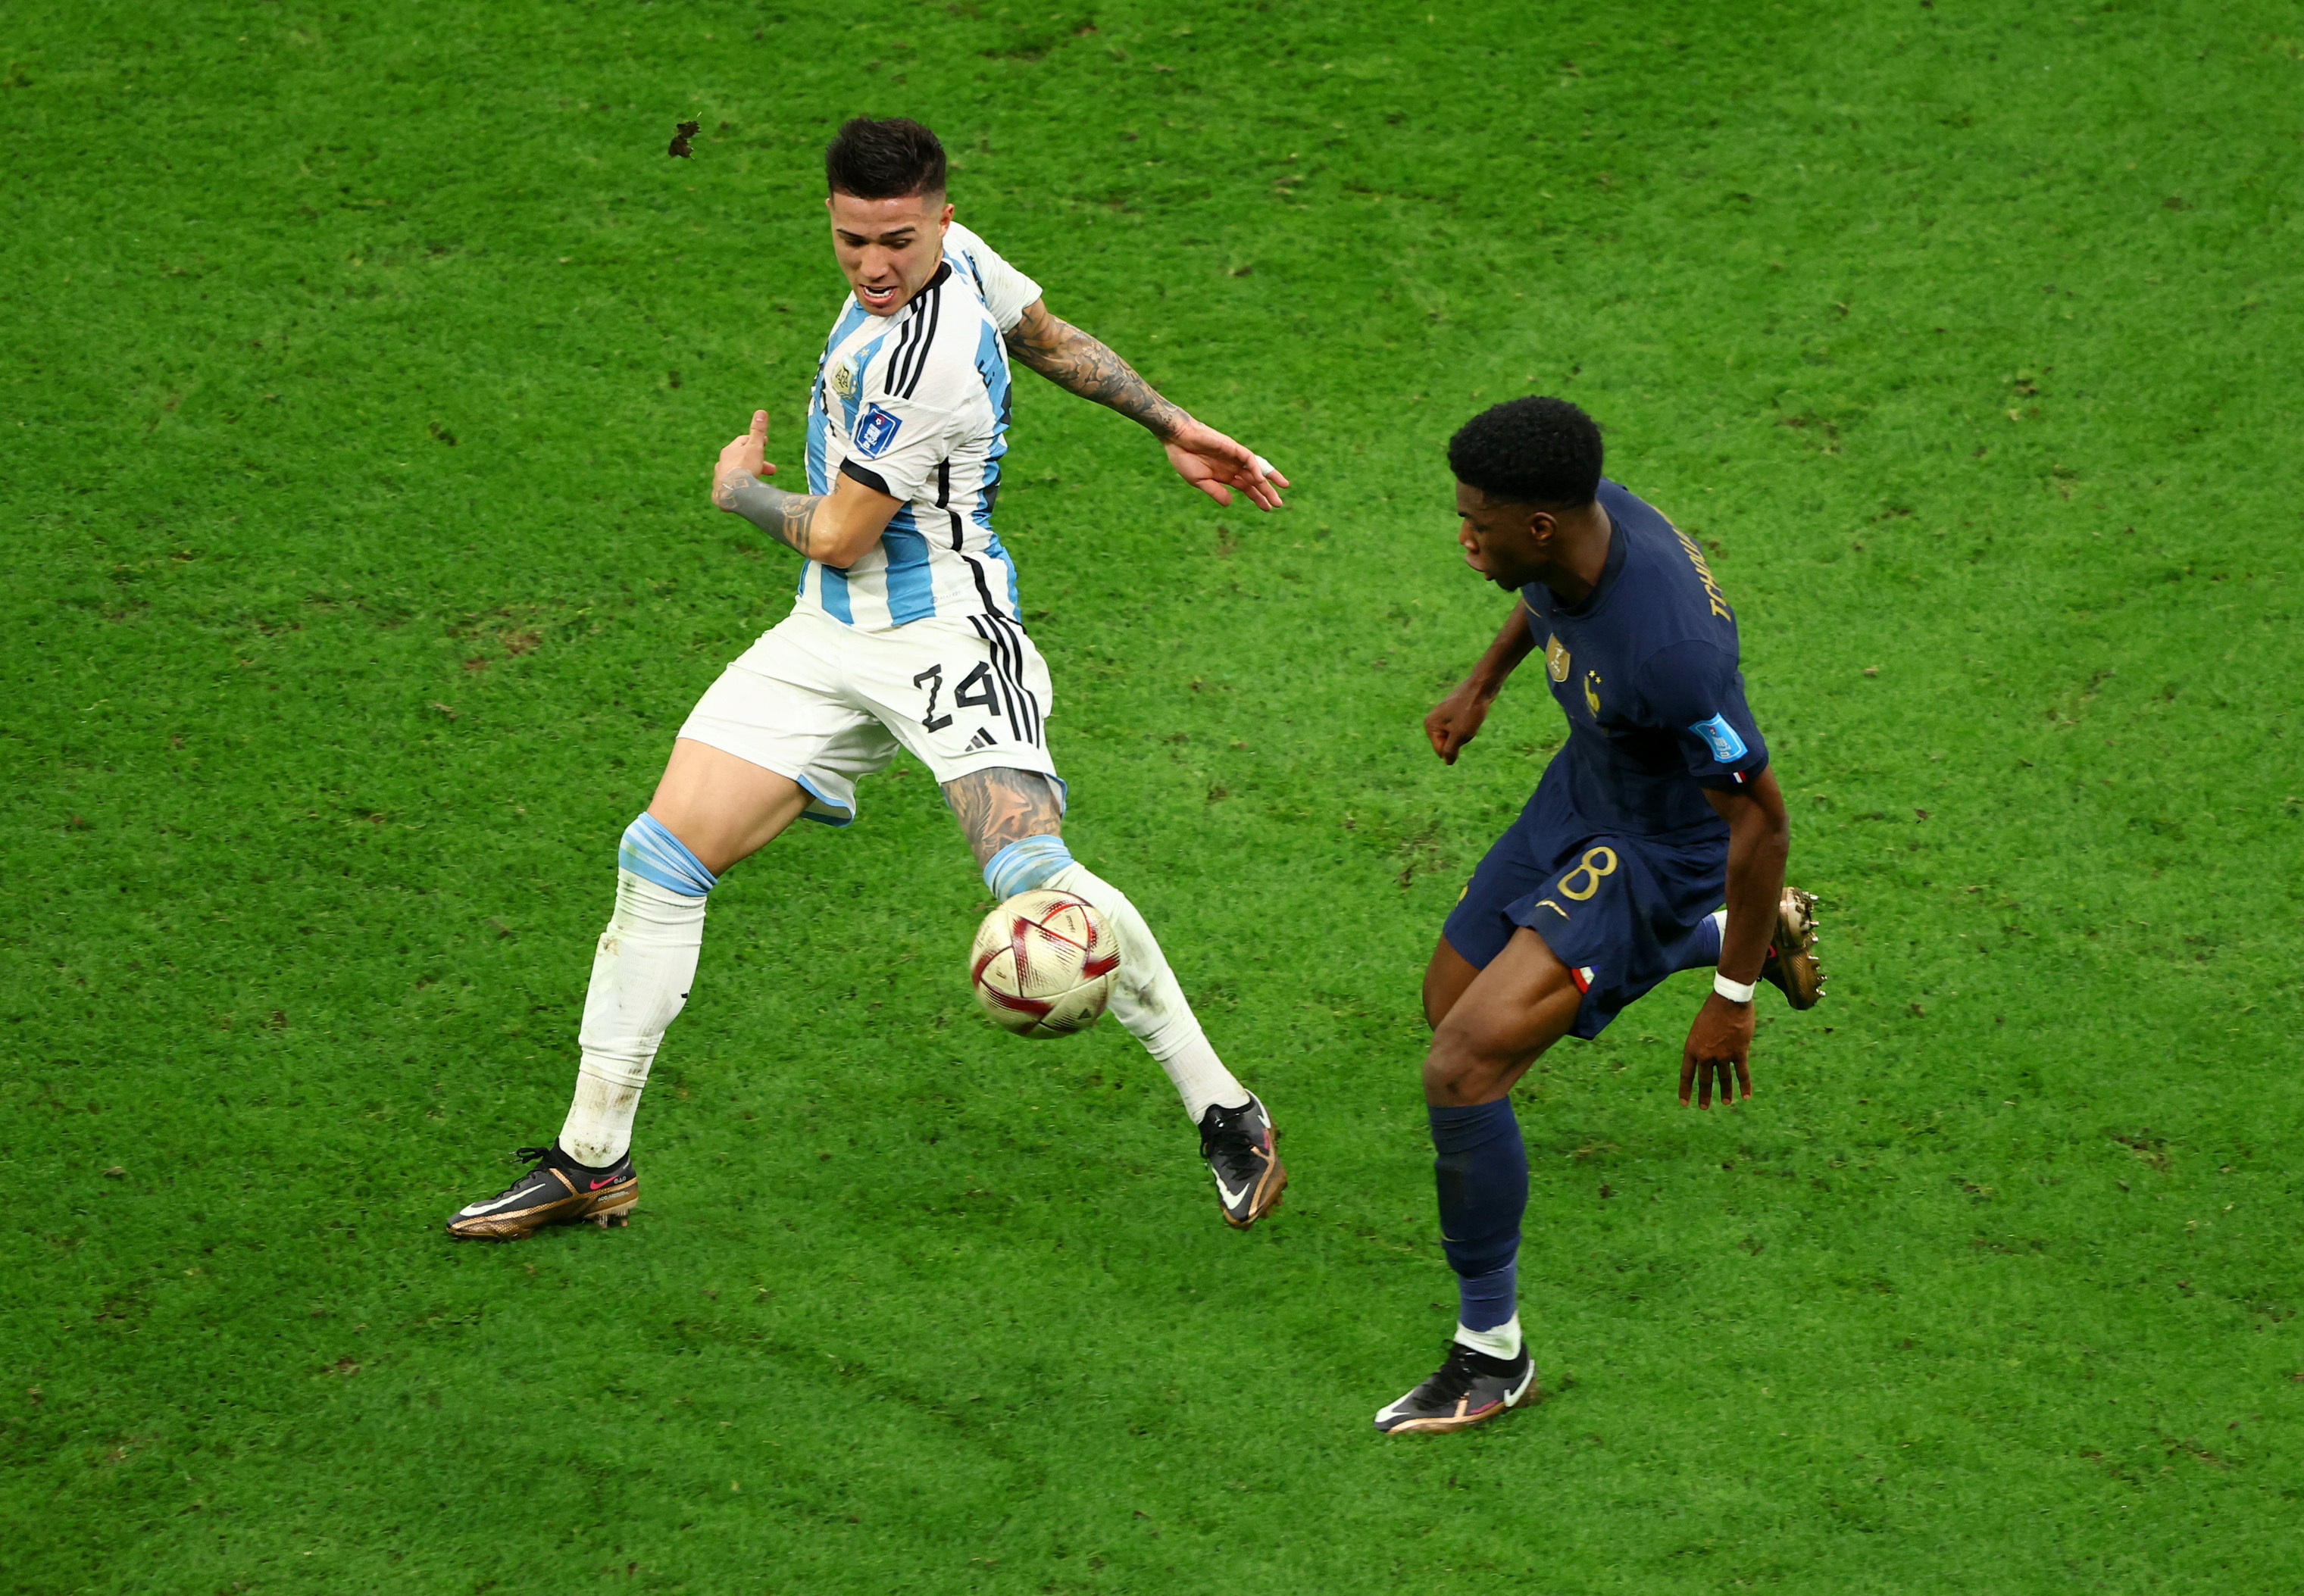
<point x="1514" y="643"/>
<point x="788" y="517"/>
<point x="1072" y="359"/>
<point x="1758" y="845"/>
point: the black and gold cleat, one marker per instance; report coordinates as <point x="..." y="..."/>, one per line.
<point x="1792" y="965"/>
<point x="1468" y="1387"/>
<point x="1241" y="1149"/>
<point x="556" y="1190"/>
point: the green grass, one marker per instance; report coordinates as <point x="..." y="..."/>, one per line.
<point x="359" y="571"/>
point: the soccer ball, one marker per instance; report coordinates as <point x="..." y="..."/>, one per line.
<point x="1043" y="964"/>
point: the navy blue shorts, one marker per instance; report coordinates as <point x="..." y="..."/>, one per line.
<point x="1621" y="912"/>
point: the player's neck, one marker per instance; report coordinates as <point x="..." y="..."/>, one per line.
<point x="1578" y="553"/>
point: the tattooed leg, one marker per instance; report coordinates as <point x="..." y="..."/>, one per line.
<point x="996" y="807"/>
<point x="1011" y="817"/>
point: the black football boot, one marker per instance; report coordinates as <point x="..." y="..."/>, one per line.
<point x="1468" y="1388"/>
<point x="556" y="1190"/>
<point x="1240" y="1148"/>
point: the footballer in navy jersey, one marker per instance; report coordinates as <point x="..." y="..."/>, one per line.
<point x="1658" y="810"/>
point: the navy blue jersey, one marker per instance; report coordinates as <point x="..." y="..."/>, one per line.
<point x="1645" y="670"/>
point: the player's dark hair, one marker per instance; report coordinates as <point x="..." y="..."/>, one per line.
<point x="883" y="160"/>
<point x="1532" y="451"/>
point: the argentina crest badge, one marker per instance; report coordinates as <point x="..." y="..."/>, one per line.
<point x="875" y="429"/>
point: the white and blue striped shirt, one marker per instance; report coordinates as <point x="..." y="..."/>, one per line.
<point x="915" y="405"/>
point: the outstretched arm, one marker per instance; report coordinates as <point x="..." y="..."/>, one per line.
<point x="836" y="528"/>
<point x="1202" y="456"/>
<point x="1759" y="841"/>
<point x="1457" y="720"/>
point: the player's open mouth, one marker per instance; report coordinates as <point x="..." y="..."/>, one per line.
<point x="879" y="299"/>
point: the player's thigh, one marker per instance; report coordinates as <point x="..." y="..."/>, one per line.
<point x="722" y="808"/>
<point x="969" y="698"/>
<point x="1445" y="979"/>
<point x="1480" y="924"/>
<point x="779" y="734"/>
<point x="1000" y="804"/>
<point x="1522" y="1002"/>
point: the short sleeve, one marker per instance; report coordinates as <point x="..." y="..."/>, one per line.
<point x="1007" y="292"/>
<point x="1695" y="691"/>
<point x="896" y="444"/>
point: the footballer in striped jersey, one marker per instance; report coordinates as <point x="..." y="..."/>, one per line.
<point x="905" y="633"/>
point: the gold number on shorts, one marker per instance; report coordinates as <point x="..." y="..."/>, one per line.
<point x="1597" y="863"/>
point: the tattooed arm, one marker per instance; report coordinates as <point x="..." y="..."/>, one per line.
<point x="1001" y="806"/>
<point x="836" y="528"/>
<point x="1070" y="359"/>
<point x="1202" y="456"/>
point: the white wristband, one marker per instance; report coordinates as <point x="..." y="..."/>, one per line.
<point x="1735" y="991"/>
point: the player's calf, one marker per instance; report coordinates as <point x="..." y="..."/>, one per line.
<point x="1011" y="817"/>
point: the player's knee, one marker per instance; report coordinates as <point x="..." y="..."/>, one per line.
<point x="1461" y="1066"/>
<point x="650" y="852"/>
<point x="1024" y="863"/>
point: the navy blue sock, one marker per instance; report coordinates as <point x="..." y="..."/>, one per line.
<point x="1703" y="949"/>
<point x="1481" y="1169"/>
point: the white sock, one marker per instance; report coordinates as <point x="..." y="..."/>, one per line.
<point x="1720" y="923"/>
<point x="640" y="978"/>
<point x="1149" y="1002"/>
<point x="1504" y="1341"/>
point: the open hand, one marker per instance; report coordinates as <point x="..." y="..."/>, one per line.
<point x="1216" y="464"/>
<point x="1720" y="1039"/>
<point x="1457" y="720"/>
<point x="743" y="457"/>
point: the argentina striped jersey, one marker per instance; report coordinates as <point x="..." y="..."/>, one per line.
<point x="915" y="405"/>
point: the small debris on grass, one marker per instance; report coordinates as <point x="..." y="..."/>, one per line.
<point x="680" y="135"/>
<point x="114" y="1173"/>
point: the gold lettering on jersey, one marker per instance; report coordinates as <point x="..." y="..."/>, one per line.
<point x="845" y="380"/>
<point x="1704" y="573"/>
<point x="1592" y="693"/>
<point x="1595" y="862"/>
<point x="1555" y="658"/>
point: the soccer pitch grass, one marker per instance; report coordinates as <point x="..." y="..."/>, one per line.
<point x="363" y="374"/>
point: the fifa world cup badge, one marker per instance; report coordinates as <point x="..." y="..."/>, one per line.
<point x="1555" y="658"/>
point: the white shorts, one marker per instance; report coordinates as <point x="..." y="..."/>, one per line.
<point x="828" y="704"/>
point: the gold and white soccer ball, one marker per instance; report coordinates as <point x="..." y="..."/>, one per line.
<point x="1043" y="964"/>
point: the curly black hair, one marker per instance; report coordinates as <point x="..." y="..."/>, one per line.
<point x="1532" y="451"/>
<point x="883" y="160"/>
